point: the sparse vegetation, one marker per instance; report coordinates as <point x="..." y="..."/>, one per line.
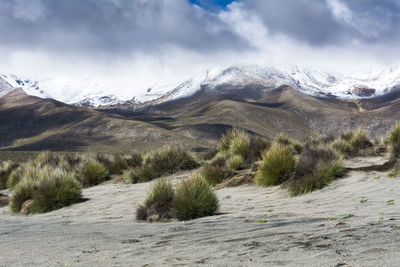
<point x="235" y="142"/>
<point x="47" y="188"/>
<point x="285" y="140"/>
<point x="353" y="143"/>
<point x="14" y="177"/>
<point x="93" y="173"/>
<point x="194" y="198"/>
<point x="158" y="203"/>
<point x="5" y="170"/>
<point x="235" y="161"/>
<point x="168" y="160"/>
<point x="276" y="167"/>
<point x="394" y="141"/>
<point x="213" y="174"/>
<point x="315" y="169"/>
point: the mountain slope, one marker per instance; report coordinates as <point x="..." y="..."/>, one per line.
<point x="32" y="123"/>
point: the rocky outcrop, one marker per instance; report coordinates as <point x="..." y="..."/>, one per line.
<point x="363" y="91"/>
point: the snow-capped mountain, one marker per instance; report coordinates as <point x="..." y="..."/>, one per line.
<point x="89" y="93"/>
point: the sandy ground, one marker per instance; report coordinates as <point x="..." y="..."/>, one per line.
<point x="256" y="227"/>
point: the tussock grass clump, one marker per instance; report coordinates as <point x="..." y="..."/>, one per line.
<point x="238" y="143"/>
<point x="295" y="145"/>
<point x="14" y="177"/>
<point x="217" y="170"/>
<point x="168" y="160"/>
<point x="235" y="142"/>
<point x="48" y="188"/>
<point x="235" y="161"/>
<point x="213" y="174"/>
<point x="47" y="158"/>
<point x="315" y="169"/>
<point x="5" y="170"/>
<point x="93" y="173"/>
<point x="158" y="203"/>
<point x="194" y="198"/>
<point x="276" y="167"/>
<point x="394" y="140"/>
<point x="360" y="140"/>
<point x="353" y="142"/>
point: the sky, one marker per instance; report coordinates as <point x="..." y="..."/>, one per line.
<point x="135" y="44"/>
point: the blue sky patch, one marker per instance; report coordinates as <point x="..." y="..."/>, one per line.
<point x="211" y="4"/>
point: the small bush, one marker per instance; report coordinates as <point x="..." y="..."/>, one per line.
<point x="168" y="160"/>
<point x="131" y="176"/>
<point x="315" y="169"/>
<point x="213" y="174"/>
<point x="235" y="161"/>
<point x="235" y="142"/>
<point x="94" y="173"/>
<point x="276" y="167"/>
<point x="194" y="198"/>
<point x="394" y="140"/>
<point x="118" y="165"/>
<point x="14" y="177"/>
<point x="50" y="189"/>
<point x="5" y="170"/>
<point x="22" y="192"/>
<point x="158" y="202"/>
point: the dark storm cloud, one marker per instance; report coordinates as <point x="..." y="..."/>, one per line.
<point x="112" y="26"/>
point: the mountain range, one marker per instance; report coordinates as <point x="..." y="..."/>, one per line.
<point x="367" y="84"/>
<point x="195" y="113"/>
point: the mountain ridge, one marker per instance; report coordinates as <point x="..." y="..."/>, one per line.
<point x="316" y="83"/>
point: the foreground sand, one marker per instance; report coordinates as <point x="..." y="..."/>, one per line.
<point x="256" y="227"/>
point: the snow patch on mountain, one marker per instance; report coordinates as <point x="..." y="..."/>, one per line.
<point x="91" y="93"/>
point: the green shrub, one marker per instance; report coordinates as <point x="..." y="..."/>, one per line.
<point x="94" y="173"/>
<point x="118" y="165"/>
<point x="50" y="189"/>
<point x="276" y="167"/>
<point x="158" y="201"/>
<point x="235" y="161"/>
<point x="57" y="190"/>
<point x="194" y="198"/>
<point x="168" y="160"/>
<point x="131" y="176"/>
<point x="394" y="140"/>
<point x="235" y="142"/>
<point x="14" y="177"/>
<point x="315" y="169"/>
<point x="213" y="174"/>
<point x="22" y="192"/>
<point x="5" y="170"/>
